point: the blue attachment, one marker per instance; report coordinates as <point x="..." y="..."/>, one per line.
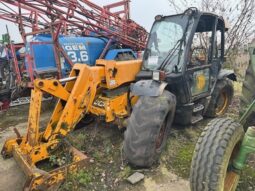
<point x="84" y="50"/>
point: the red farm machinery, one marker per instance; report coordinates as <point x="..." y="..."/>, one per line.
<point x="58" y="34"/>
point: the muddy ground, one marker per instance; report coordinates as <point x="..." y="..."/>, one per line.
<point x="107" y="170"/>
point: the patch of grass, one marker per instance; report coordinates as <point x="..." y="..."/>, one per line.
<point x="125" y="172"/>
<point x="179" y="152"/>
<point x="183" y="159"/>
<point x="81" y="178"/>
<point x="97" y="155"/>
<point x="77" y="139"/>
<point x="247" y="179"/>
<point x="180" y="159"/>
<point x="103" y="146"/>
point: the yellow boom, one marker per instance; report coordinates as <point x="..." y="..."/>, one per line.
<point x="101" y="90"/>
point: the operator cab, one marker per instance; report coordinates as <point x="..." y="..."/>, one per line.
<point x="173" y="38"/>
<point x="187" y="50"/>
<point x="185" y="47"/>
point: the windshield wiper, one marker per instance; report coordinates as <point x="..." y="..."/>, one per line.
<point x="169" y="55"/>
<point x="177" y="46"/>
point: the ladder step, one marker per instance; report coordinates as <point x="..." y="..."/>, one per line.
<point x="198" y="107"/>
<point x="196" y="118"/>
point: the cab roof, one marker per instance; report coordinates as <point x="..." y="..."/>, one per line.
<point x="207" y="19"/>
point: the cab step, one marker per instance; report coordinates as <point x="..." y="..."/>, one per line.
<point x="198" y="107"/>
<point x="196" y="118"/>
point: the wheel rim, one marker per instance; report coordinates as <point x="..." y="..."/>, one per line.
<point x="161" y="136"/>
<point x="231" y="181"/>
<point x="231" y="177"/>
<point x="222" y="103"/>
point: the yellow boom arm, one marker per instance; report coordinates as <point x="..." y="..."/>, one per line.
<point x="80" y="95"/>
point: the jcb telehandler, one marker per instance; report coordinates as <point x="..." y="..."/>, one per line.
<point x="180" y="78"/>
<point x="225" y="144"/>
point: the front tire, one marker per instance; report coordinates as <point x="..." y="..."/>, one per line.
<point x="148" y="129"/>
<point x="221" y="98"/>
<point x="214" y="152"/>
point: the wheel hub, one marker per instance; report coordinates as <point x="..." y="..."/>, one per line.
<point x="161" y="135"/>
<point x="222" y="103"/>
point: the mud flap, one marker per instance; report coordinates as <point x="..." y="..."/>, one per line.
<point x="148" y="88"/>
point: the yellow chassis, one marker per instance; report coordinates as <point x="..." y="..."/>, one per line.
<point x="80" y="94"/>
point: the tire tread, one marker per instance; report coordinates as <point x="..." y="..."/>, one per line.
<point x="211" y="153"/>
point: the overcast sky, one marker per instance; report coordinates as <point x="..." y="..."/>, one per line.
<point x="142" y="11"/>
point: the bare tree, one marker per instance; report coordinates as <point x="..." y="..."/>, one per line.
<point x="238" y="13"/>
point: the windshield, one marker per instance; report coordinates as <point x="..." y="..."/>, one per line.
<point x="165" y="45"/>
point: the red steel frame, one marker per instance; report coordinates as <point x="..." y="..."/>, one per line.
<point x="16" y="64"/>
<point x="73" y="16"/>
<point x="80" y="16"/>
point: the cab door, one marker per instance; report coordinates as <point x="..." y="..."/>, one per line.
<point x="202" y="54"/>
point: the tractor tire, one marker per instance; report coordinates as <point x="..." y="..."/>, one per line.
<point x="148" y="128"/>
<point x="213" y="155"/>
<point x="248" y="95"/>
<point x="221" y="98"/>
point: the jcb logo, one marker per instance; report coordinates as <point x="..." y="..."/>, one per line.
<point x="99" y="103"/>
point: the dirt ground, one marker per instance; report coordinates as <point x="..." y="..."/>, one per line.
<point x="11" y="176"/>
<point x="107" y="170"/>
<point x="103" y="144"/>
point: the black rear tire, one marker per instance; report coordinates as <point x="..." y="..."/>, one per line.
<point x="221" y="98"/>
<point x="213" y="155"/>
<point x="148" y="129"/>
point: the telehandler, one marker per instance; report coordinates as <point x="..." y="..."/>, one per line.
<point x="225" y="144"/>
<point x="179" y="79"/>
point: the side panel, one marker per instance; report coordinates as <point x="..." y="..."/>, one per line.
<point x="119" y="72"/>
